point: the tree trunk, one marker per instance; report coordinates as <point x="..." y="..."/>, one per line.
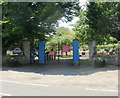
<point x="66" y="54"/>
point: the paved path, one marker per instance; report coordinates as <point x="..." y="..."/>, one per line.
<point x="26" y="89"/>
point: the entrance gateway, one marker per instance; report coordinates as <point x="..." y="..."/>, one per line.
<point x="41" y="56"/>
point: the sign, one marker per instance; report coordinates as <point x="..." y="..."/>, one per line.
<point x="51" y="53"/>
<point x="65" y="48"/>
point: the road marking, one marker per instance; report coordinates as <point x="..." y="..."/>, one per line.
<point x="101" y="90"/>
<point x="22" y="83"/>
<point x="48" y="85"/>
<point x="3" y="94"/>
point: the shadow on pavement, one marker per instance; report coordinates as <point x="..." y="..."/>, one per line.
<point x="62" y="67"/>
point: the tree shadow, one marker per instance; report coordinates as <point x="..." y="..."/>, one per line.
<point x="61" y="67"/>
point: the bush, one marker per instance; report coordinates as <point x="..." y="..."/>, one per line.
<point x="12" y="61"/>
<point x="98" y="59"/>
<point x="99" y="62"/>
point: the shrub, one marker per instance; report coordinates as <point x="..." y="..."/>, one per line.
<point x="99" y="62"/>
<point x="12" y="61"/>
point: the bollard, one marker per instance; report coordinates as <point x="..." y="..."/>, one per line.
<point x="76" y="60"/>
<point x="41" y="52"/>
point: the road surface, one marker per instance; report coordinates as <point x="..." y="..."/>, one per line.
<point x="10" y="88"/>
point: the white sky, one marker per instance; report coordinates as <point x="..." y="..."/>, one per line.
<point x="75" y="19"/>
<point x="68" y="24"/>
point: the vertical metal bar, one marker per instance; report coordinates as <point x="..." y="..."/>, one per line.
<point x="42" y="52"/>
<point x="58" y="51"/>
<point x="0" y="37"/>
<point x="119" y="53"/>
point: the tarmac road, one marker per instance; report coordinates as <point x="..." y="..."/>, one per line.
<point x="10" y="88"/>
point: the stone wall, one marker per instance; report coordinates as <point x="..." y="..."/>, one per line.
<point x="4" y="59"/>
<point x="110" y="59"/>
<point x="21" y="59"/>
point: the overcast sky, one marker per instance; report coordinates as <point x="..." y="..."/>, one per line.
<point x="75" y="19"/>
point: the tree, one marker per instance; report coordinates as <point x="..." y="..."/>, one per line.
<point x="101" y="21"/>
<point x="104" y="17"/>
<point x="82" y="28"/>
<point x="32" y="20"/>
<point x="62" y="35"/>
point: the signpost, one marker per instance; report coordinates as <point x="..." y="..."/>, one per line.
<point x="65" y="48"/>
<point x="51" y="53"/>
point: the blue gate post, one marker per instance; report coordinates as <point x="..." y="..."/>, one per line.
<point x="76" y="52"/>
<point x="41" y="52"/>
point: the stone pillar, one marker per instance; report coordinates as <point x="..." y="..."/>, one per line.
<point x="92" y="48"/>
<point x="26" y="50"/>
<point x="119" y="53"/>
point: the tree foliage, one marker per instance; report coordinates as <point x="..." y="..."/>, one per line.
<point x="99" y="21"/>
<point x="82" y="28"/>
<point x="62" y="36"/>
<point x="32" y="20"/>
<point x="104" y="18"/>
